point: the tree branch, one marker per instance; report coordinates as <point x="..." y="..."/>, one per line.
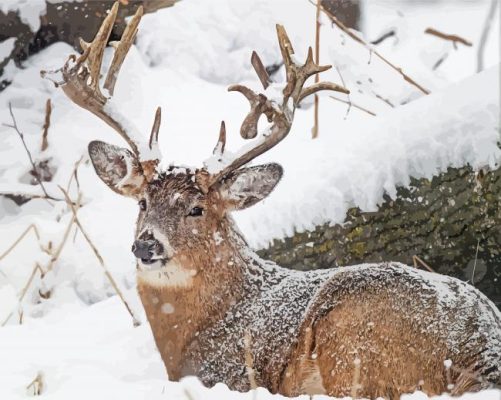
<point x="35" y="172"/>
<point x="358" y="39"/>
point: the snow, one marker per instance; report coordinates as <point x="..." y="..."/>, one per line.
<point x="95" y="352"/>
<point x="6" y="48"/>
<point x="82" y="338"/>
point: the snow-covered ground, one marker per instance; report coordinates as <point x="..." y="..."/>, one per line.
<point x="82" y="338"/>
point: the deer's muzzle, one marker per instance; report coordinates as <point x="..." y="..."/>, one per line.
<point x="148" y="251"/>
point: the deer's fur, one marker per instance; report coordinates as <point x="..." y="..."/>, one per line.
<point x="374" y="329"/>
<point x="307" y="329"/>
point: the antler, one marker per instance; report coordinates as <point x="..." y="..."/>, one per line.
<point x="81" y="84"/>
<point x="279" y="114"/>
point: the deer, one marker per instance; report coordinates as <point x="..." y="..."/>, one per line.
<point x="219" y="312"/>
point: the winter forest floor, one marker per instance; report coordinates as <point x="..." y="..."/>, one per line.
<point x="81" y="339"/>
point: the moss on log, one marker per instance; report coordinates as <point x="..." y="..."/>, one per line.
<point x="452" y="222"/>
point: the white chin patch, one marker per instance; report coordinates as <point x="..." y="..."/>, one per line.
<point x="170" y="275"/>
<point x="156" y="266"/>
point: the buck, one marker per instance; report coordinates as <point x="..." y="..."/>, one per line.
<point x="219" y="312"/>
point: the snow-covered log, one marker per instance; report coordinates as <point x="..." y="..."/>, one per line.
<point x="451" y="222"/>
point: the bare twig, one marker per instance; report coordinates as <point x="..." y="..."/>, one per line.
<point x="35" y="173"/>
<point x="20" y="238"/>
<point x="98" y="256"/>
<point x="74" y="175"/>
<point x="348" y="95"/>
<point x="383" y="37"/>
<point x="453" y="38"/>
<point x="358" y="39"/>
<point x="46" y="125"/>
<point x="439" y="62"/>
<point x="416" y="260"/>
<point x="475" y="264"/>
<point x="353" y="105"/>
<point x="385" y="100"/>
<point x="485" y="34"/>
<point x="314" y="131"/>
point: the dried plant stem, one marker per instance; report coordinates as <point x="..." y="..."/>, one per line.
<point x="475" y="264"/>
<point x="46" y="125"/>
<point x="358" y="39"/>
<point x="57" y="253"/>
<point x="74" y="175"/>
<point x="452" y="38"/>
<point x="20" y="238"/>
<point x="416" y="260"/>
<point x="485" y="34"/>
<point x="98" y="256"/>
<point x="36" y="387"/>
<point x="35" y="173"/>
<point x="314" y="131"/>
<point x="25" y="289"/>
<point x="350" y="103"/>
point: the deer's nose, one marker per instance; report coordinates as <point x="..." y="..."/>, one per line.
<point x="144" y="249"/>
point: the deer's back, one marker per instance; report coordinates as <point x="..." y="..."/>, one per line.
<point x="307" y="331"/>
<point x="396" y="328"/>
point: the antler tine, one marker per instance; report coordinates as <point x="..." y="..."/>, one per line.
<point x="221" y="143"/>
<point x="260" y="70"/>
<point x="153" y="142"/>
<point x="81" y="84"/>
<point x="321" y="86"/>
<point x="302" y="73"/>
<point x="248" y="93"/>
<point x="287" y="51"/>
<point x="122" y="49"/>
<point x="96" y="48"/>
<point x="285" y="46"/>
<point x="259" y="105"/>
<point x="280" y="115"/>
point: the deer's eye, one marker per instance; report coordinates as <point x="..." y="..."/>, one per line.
<point x="142" y="205"/>
<point x="196" y="212"/>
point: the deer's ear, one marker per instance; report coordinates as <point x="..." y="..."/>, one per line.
<point x="118" y="168"/>
<point x="247" y="186"/>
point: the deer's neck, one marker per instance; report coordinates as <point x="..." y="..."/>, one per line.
<point x="203" y="286"/>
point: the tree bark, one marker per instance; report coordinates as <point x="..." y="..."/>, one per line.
<point x="347" y="11"/>
<point x="452" y="222"/>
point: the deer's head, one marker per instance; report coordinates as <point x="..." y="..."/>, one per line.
<point x="184" y="212"/>
<point x="179" y="217"/>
